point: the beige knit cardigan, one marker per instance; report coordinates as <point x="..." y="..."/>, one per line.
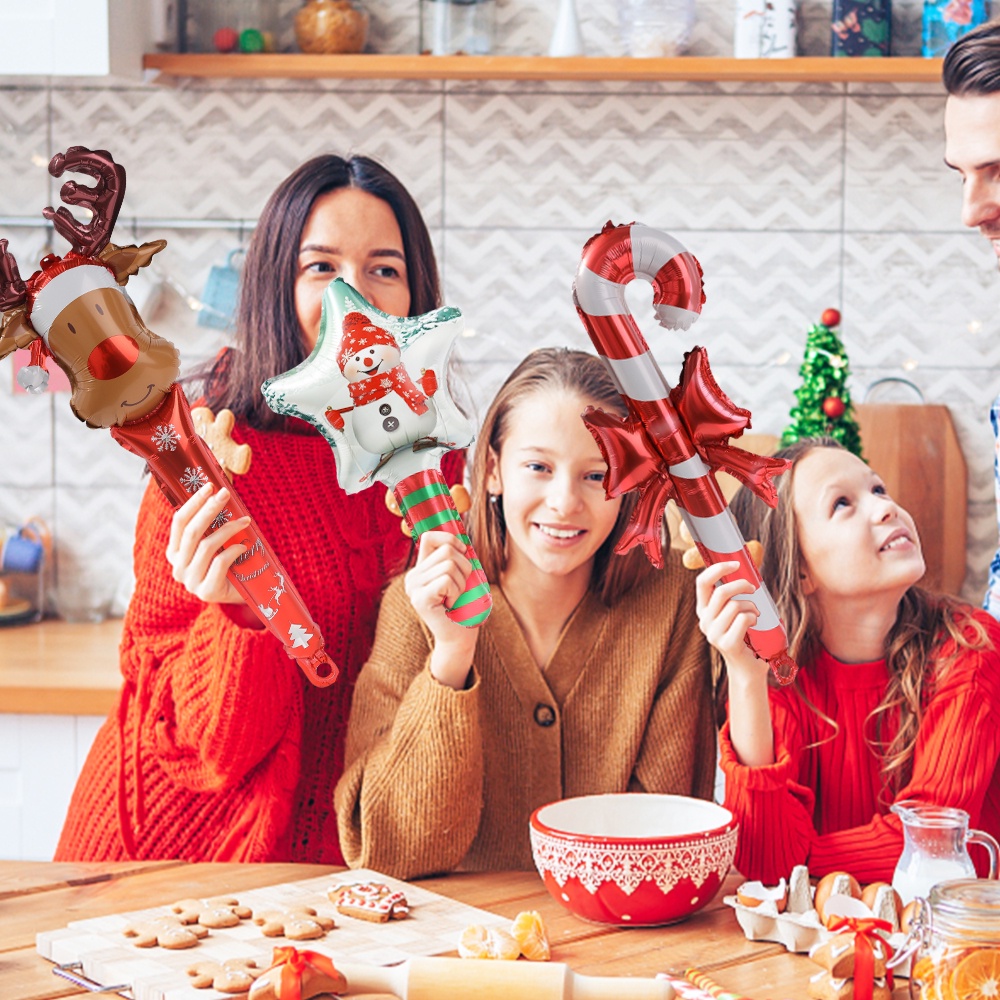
<point x="438" y="779"/>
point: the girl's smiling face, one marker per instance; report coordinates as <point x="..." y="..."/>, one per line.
<point x="353" y="235"/>
<point x="549" y="476"/>
<point x="854" y="538"/>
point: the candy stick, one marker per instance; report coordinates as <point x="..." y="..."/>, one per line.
<point x="673" y="440"/>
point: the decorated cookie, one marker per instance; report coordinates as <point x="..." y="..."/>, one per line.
<point x="372" y="901"/>
<point x="300" y="923"/>
<point x="823" y="986"/>
<point x="235" y="975"/>
<point x="219" y="911"/>
<point x="302" y="974"/>
<point x="837" y="955"/>
<point x="217" y="430"/>
<point x="167" y="932"/>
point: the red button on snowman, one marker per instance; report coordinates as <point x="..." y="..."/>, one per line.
<point x="389" y="410"/>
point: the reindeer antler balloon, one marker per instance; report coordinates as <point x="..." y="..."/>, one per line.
<point x="74" y="308"/>
<point x="673" y="440"/>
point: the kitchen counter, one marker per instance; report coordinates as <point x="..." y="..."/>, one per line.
<point x="60" y="668"/>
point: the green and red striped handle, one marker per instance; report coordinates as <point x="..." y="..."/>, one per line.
<point x="426" y="502"/>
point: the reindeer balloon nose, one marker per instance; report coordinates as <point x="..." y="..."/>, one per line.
<point x="123" y="376"/>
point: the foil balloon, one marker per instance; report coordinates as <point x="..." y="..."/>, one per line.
<point x="374" y="387"/>
<point x="123" y="376"/>
<point x="673" y="440"/>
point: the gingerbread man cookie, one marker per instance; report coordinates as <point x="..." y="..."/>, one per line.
<point x="837" y="955"/>
<point x="217" y="430"/>
<point x="235" y="975"/>
<point x="167" y="932"/>
<point x="297" y="924"/>
<point x="369" y="901"/>
<point x="219" y="911"/>
<point x="315" y="974"/>
<point x="823" y="986"/>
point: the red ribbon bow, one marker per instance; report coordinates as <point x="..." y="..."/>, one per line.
<point x="865" y="929"/>
<point x="294" y="963"/>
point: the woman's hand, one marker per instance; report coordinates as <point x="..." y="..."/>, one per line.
<point x="434" y="584"/>
<point x="200" y="563"/>
<point x="724" y="619"/>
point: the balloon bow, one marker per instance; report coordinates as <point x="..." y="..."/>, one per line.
<point x="865" y="929"/>
<point x="709" y="418"/>
<point x="293" y="964"/>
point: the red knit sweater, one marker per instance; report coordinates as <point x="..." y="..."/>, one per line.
<point x="220" y="749"/>
<point x="823" y="805"/>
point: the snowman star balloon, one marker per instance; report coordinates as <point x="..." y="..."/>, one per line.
<point x="373" y="386"/>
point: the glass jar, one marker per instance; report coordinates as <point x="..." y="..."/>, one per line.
<point x="231" y="25"/>
<point x="328" y="26"/>
<point x="954" y="939"/>
<point x="656" y="28"/>
<point x="454" y="27"/>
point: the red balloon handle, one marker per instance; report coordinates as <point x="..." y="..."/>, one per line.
<point x="426" y="502"/>
<point x="182" y="462"/>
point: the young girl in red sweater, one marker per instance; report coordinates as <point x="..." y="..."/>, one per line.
<point x="219" y="749"/>
<point x="898" y="692"/>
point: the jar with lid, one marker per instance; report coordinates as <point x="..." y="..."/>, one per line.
<point x="247" y="26"/>
<point x="331" y="26"/>
<point x="954" y="941"/>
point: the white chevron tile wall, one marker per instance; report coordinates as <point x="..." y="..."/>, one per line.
<point x="794" y="197"/>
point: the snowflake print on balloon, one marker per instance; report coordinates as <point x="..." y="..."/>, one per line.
<point x="165" y="437"/>
<point x="193" y="478"/>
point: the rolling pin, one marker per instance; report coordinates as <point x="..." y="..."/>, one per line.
<point x="460" y="978"/>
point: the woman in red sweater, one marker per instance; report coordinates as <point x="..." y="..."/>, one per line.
<point x="898" y="692"/>
<point x="219" y="749"/>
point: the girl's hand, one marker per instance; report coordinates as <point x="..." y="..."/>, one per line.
<point x="724" y="619"/>
<point x="199" y="562"/>
<point x="435" y="583"/>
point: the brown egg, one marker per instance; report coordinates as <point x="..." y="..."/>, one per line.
<point x="909" y="911"/>
<point x="752" y="894"/>
<point x="825" y="889"/>
<point x="871" y="891"/>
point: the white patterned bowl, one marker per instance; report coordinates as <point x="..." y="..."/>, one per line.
<point x="633" y="859"/>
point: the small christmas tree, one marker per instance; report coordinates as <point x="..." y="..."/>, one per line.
<point x="824" y="404"/>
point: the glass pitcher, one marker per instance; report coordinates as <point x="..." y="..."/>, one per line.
<point x="935" y="840"/>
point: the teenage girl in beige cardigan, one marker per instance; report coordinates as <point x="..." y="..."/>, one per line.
<point x="589" y="676"/>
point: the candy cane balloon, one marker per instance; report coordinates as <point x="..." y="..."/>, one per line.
<point x="673" y="440"/>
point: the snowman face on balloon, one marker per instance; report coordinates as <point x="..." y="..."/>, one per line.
<point x="373" y="360"/>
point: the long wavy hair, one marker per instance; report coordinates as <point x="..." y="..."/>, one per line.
<point x="268" y="337"/>
<point x="561" y="369"/>
<point x="923" y="622"/>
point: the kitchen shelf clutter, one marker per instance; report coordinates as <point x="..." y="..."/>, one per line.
<point x="544" y="68"/>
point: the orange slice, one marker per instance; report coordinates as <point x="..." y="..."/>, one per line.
<point x="477" y="941"/>
<point x="529" y="932"/>
<point x="977" y="976"/>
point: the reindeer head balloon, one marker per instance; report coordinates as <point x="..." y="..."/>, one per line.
<point x="76" y="309"/>
<point x="123" y="377"/>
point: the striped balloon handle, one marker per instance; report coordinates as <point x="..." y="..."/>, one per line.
<point x="426" y="502"/>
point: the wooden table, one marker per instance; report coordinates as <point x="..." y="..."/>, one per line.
<point x="38" y="896"/>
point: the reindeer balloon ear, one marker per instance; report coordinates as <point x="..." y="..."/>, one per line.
<point x="15" y="330"/>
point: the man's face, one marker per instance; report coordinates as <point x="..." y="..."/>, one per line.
<point x="972" y="147"/>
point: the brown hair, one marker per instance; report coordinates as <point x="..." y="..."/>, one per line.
<point x="923" y="620"/>
<point x="972" y="64"/>
<point x="268" y="336"/>
<point x="557" y="368"/>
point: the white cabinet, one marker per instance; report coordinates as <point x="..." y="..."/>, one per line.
<point x="73" y="37"/>
<point x="40" y="758"/>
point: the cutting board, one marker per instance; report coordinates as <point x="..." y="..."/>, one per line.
<point x="432" y="928"/>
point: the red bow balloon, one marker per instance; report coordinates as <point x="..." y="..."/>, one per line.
<point x="673" y="440"/>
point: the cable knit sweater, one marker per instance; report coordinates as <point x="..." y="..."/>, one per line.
<point x="219" y="748"/>
<point x="821" y="802"/>
<point x="438" y="778"/>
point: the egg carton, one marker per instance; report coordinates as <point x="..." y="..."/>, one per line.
<point x="798" y="932"/>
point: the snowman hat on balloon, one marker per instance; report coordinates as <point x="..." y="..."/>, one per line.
<point x="360" y="332"/>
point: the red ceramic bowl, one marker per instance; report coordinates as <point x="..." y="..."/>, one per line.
<point x="633" y="859"/>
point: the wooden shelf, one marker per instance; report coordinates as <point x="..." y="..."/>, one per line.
<point x="416" y="67"/>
